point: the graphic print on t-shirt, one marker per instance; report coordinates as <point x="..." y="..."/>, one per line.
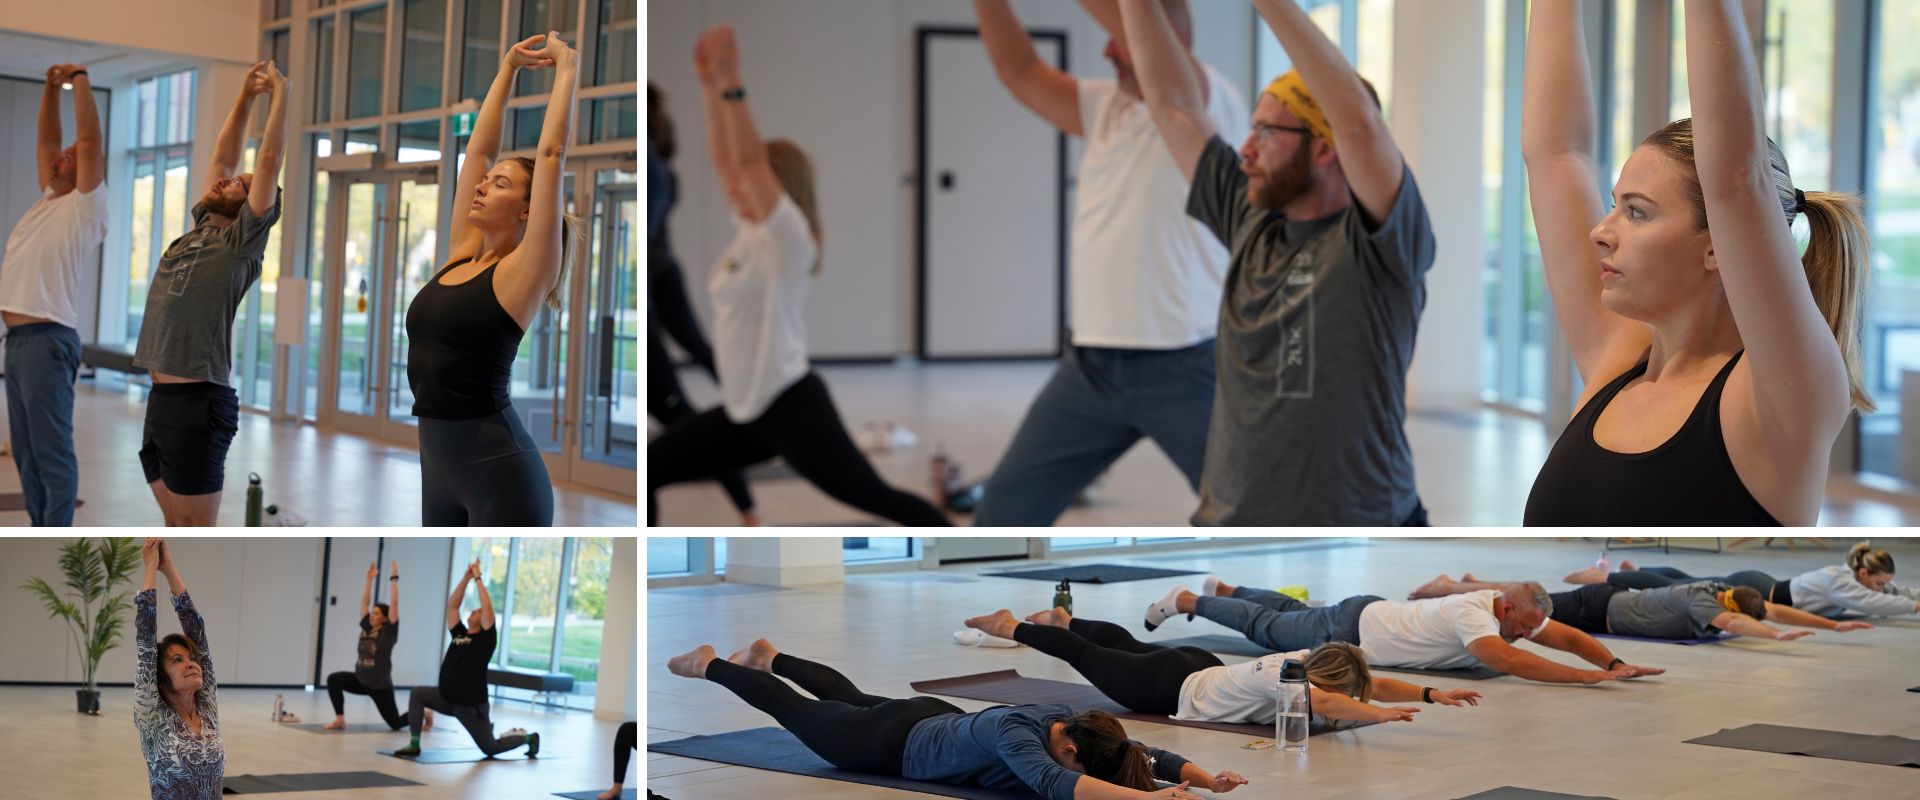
<point x="1294" y="375"/>
<point x="176" y="268"/>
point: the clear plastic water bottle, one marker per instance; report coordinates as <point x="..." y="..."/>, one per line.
<point x="1293" y="707"/>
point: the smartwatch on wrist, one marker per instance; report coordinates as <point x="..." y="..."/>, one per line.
<point x="1426" y="694"/>
<point x="734" y="95"/>
<point x="1614" y="663"/>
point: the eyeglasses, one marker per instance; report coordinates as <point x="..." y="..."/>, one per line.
<point x="1262" y="131"/>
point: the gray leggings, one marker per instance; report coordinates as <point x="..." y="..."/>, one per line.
<point x="473" y="718"/>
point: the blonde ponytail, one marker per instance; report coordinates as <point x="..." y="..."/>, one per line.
<point x="1875" y="562"/>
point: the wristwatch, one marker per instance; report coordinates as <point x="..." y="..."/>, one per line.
<point x="735" y="94"/>
<point x="1426" y="694"/>
<point x="1617" y="661"/>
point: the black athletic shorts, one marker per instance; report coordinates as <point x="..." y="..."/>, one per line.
<point x="189" y="428"/>
<point x="1584" y="608"/>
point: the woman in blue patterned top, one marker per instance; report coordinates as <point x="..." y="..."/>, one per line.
<point x="174" y="705"/>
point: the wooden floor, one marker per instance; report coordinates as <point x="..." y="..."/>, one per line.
<point x="60" y="755"/>
<point x="331" y="478"/>
<point x="1473" y="466"/>
<point x="1621" y="740"/>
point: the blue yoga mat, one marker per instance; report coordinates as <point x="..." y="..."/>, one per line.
<point x="591" y="794"/>
<point x="1689" y="642"/>
<point x="777" y="750"/>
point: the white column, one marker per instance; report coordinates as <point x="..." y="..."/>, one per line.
<point x="785" y="561"/>
<point x="1438" y="74"/>
<point x="615" y="700"/>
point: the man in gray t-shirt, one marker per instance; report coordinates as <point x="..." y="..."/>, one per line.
<point x="1329" y="245"/>
<point x="1692" y="610"/>
<point x="1680" y="611"/>
<point x="186" y="337"/>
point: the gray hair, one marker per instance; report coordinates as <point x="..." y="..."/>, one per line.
<point x="1529" y="593"/>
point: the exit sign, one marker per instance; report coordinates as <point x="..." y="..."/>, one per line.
<point x="463" y="123"/>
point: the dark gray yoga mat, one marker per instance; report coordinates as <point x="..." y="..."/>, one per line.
<point x="1914" y="689"/>
<point x="352" y="727"/>
<point x="1892" y="751"/>
<point x="1010" y="687"/>
<point x="590" y="794"/>
<point x="1241" y="646"/>
<point x="310" y="782"/>
<point x="1093" y="573"/>
<point x="466" y="755"/>
<point x="1702" y="640"/>
<point x="1517" y="793"/>
<point x="777" y="750"/>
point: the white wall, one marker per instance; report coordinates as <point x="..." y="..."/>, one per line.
<point x="218" y="30"/>
<point x="785" y="561"/>
<point x="616" y="699"/>
<point x="424" y="566"/>
<point x="837" y="76"/>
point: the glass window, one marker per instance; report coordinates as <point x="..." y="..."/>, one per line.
<point x="526" y="127"/>
<point x="158" y="191"/>
<point x="316" y="260"/>
<point x="323" y="70"/>
<point x="420" y="54"/>
<point x="585" y="621"/>
<point x="1892" y="333"/>
<point x="1622" y="131"/>
<point x="528" y="627"/>
<point x="277" y="45"/>
<point x="420" y="141"/>
<point x="1375" y="48"/>
<point x="366" y="67"/>
<point x="619" y="50"/>
<point x="541" y="16"/>
<point x="1679" y="101"/>
<point x="1492" y="188"/>
<point x="855" y="549"/>
<point x="253" y="329"/>
<point x="614" y="119"/>
<point x="1270" y="61"/>
<point x="480" y="51"/>
<point x="282" y="9"/>
<point x="667" y="555"/>
<point x="363" y="140"/>
<point x="1070" y="542"/>
<point x="1799" y="83"/>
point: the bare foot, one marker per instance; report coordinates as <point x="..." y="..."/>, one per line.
<point x="758" y="655"/>
<point x="749" y="519"/>
<point x="693" y="663"/>
<point x="999" y="623"/>
<point x="1467" y="577"/>
<point x="337" y="724"/>
<point x="1627" y="566"/>
<point x="1589" y="575"/>
<point x="1056" y="616"/>
<point x="1437" y="587"/>
<point x="610" y="794"/>
<point x="428" y="725"/>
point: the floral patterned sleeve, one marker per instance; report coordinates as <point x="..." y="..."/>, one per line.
<point x="146" y="688"/>
<point x="196" y="629"/>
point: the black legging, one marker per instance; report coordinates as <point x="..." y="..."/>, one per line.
<point x="483" y="472"/>
<point x="1143" y="677"/>
<point x="802" y="427"/>
<point x="1775" y="591"/>
<point x="667" y="295"/>
<point x="340" y="682"/>
<point x="671" y="406"/>
<point x="623" y="744"/>
<point x="852" y="730"/>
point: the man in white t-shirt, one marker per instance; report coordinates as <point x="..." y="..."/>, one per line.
<point x="1456" y="632"/>
<point x="1144" y="279"/>
<point x="39" y="292"/>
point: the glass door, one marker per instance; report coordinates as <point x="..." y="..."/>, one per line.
<point x="601" y="422"/>
<point x="384" y="253"/>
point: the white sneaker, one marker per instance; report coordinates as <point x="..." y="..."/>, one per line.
<point x="1211" y="587"/>
<point x="1164" y="608"/>
<point x="978" y="638"/>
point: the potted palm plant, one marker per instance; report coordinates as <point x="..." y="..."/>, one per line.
<point x="94" y="616"/>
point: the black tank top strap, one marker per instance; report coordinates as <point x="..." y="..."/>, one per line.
<point x="448" y="268"/>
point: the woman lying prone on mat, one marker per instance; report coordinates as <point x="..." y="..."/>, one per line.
<point x="1191" y="683"/>
<point x="1863" y="585"/>
<point x="1046" y="749"/>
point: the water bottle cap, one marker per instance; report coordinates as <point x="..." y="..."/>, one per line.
<point x="1293" y="670"/>
<point x="253" y="479"/>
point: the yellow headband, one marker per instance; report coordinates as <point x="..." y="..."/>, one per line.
<point x="1292" y="93"/>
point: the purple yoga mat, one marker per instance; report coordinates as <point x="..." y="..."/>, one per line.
<point x="1010" y="687"/>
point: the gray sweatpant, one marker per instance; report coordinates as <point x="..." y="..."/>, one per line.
<point x="473" y="718"/>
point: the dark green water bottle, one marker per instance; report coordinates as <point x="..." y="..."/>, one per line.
<point x="1063" y="596"/>
<point x="254" y="499"/>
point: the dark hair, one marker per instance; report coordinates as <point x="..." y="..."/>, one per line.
<point x="1863" y="556"/>
<point x="571" y="229"/>
<point x="1106" y="752"/>
<point x="385" y="609"/>
<point x="1750" y="602"/>
<point x="659" y="123"/>
<point x="172" y="640"/>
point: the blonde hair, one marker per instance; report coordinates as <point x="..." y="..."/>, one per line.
<point x="794" y="170"/>
<point x="1341" y="668"/>
<point x="572" y="235"/>
<point x="1837" y="247"/>
<point x="1875" y="562"/>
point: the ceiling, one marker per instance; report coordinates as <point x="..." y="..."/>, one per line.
<point x="28" y="56"/>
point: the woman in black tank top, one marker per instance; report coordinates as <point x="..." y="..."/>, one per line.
<point x="1694" y="272"/>
<point x="509" y="245"/>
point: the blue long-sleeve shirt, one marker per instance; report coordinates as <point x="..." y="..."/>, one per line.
<point x="1004" y="747"/>
<point x="181" y="764"/>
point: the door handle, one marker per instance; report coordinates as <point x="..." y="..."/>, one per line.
<point x="946" y="180"/>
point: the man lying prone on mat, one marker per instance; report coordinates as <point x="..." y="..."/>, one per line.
<point x="1696" y="610"/>
<point x="1192" y="684"/>
<point x="1457" y="632"/>
<point x="1046" y="749"/>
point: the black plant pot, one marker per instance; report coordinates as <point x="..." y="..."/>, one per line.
<point x="88" y="702"/>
